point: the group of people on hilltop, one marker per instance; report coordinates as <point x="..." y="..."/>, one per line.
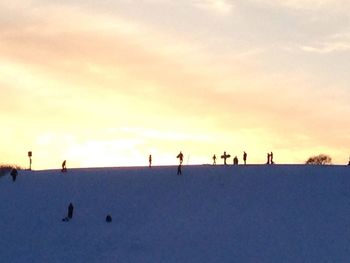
<point x="226" y="156"/>
<point x="180" y="156"/>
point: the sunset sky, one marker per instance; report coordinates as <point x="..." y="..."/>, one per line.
<point x="106" y="83"/>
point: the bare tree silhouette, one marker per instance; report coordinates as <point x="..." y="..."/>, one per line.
<point x="320" y="159"/>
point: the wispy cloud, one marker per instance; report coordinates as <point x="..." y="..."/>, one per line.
<point x="334" y="43"/>
<point x="223" y="7"/>
<point x="304" y="5"/>
<point x="327" y="48"/>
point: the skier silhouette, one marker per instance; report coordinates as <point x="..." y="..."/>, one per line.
<point x="235" y="160"/>
<point x="245" y="157"/>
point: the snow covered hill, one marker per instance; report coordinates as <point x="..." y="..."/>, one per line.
<point x="279" y="213"/>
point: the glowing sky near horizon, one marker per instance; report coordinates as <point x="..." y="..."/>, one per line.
<point x="106" y="83"/>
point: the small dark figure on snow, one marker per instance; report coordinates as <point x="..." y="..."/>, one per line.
<point x="70" y="211"/>
<point x="108" y="218"/>
<point x="179" y="172"/>
<point x="245" y="157"/>
<point x="150" y="161"/>
<point x="64" y="168"/>
<point x="181" y="157"/>
<point x="225" y="156"/>
<point x="14" y="174"/>
<point x="214" y="159"/>
<point x="271" y="158"/>
<point x="235" y="161"/>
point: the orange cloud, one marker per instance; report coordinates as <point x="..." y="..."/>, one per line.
<point x="83" y="75"/>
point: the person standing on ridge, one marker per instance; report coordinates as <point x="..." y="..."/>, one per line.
<point x="245" y="157"/>
<point x="64" y="168"/>
<point x="235" y="161"/>
<point x="214" y="159"/>
<point x="268" y="158"/>
<point x="181" y="157"/>
<point x="150" y="160"/>
<point x="225" y="156"/>
<point x="271" y="158"/>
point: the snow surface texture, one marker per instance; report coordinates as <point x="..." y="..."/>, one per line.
<point x="278" y="213"/>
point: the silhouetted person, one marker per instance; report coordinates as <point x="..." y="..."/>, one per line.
<point x="349" y="161"/>
<point x="179" y="172"/>
<point x="108" y="218"/>
<point x="225" y="156"/>
<point x="235" y="160"/>
<point x="14" y="174"/>
<point x="150" y="160"/>
<point x="64" y="168"/>
<point x="271" y="158"/>
<point x="181" y="157"/>
<point x="245" y="157"/>
<point x="70" y="211"/>
<point x="214" y="159"/>
<point x="268" y="158"/>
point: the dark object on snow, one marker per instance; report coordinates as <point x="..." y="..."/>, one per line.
<point x="30" y="154"/>
<point x="150" y="160"/>
<point x="235" y="161"/>
<point x="349" y="161"/>
<point x="225" y="156"/>
<point x="179" y="172"/>
<point x="321" y="159"/>
<point x="181" y="157"/>
<point x="108" y="218"/>
<point x="270" y="158"/>
<point x="214" y="159"/>
<point x="245" y="157"/>
<point x="70" y="211"/>
<point x="64" y="168"/>
<point x="14" y="174"/>
<point x="66" y="219"/>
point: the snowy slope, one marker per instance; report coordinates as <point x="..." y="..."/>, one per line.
<point x="220" y="214"/>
